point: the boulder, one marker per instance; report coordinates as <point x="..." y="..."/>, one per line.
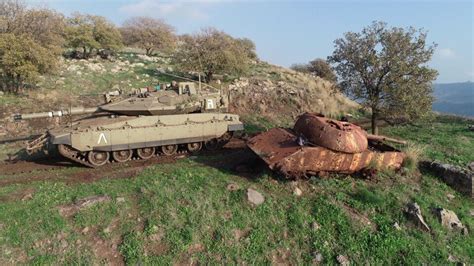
<point x="456" y="177"/>
<point x="342" y="260"/>
<point x="413" y="212"/>
<point x="255" y="197"/>
<point x="449" y="220"/>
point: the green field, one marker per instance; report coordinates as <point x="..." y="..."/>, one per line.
<point x="183" y="212"/>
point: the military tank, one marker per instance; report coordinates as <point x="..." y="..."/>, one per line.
<point x="317" y="145"/>
<point x="151" y="121"/>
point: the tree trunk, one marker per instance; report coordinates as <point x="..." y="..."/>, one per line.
<point x="375" y="129"/>
<point x="208" y="76"/>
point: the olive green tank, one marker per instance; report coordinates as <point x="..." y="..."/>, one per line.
<point x="149" y="122"/>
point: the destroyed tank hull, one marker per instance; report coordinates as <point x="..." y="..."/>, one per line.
<point x="98" y="140"/>
<point x="315" y="146"/>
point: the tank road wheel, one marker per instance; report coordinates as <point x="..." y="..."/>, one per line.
<point x="212" y="144"/>
<point x="122" y="156"/>
<point x="98" y="158"/>
<point x="146" y="153"/>
<point x="194" y="147"/>
<point x="169" y="149"/>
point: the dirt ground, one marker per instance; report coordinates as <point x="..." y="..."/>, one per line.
<point x="22" y="172"/>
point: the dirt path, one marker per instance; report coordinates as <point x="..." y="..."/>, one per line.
<point x="24" y="172"/>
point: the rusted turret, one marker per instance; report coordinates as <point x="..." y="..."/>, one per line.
<point x="317" y="144"/>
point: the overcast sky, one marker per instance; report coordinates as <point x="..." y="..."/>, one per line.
<point x="287" y="32"/>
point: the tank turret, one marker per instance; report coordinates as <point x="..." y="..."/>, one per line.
<point x="178" y="98"/>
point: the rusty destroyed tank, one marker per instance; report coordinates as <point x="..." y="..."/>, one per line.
<point x="147" y="122"/>
<point x="317" y="145"/>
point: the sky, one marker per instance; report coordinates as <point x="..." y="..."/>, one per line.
<point x="288" y="32"/>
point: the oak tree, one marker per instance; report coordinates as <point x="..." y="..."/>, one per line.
<point x="212" y="51"/>
<point x="385" y="69"/>
<point x="149" y="34"/>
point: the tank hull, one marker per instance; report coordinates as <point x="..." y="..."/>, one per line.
<point x="278" y="147"/>
<point x="121" y="133"/>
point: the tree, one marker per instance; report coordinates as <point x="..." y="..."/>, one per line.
<point x="318" y="67"/>
<point x="149" y="34"/>
<point x="212" y="51"/>
<point x="88" y="32"/>
<point x="22" y="60"/>
<point x="385" y="69"/>
<point x="30" y="43"/>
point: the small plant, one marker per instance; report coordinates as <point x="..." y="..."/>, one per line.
<point x="413" y="153"/>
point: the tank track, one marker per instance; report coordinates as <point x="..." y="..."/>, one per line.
<point x="81" y="158"/>
<point x="74" y="155"/>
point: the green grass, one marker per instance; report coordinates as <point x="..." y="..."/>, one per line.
<point x="189" y="204"/>
<point x="445" y="138"/>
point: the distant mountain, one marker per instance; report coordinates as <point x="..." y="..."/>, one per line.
<point x="454" y="98"/>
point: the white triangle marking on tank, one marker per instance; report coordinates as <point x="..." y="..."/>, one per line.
<point x="102" y="136"/>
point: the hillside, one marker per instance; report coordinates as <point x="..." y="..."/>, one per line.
<point x="266" y="92"/>
<point x="454" y="98"/>
<point x="195" y="209"/>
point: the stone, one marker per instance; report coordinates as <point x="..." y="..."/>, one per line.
<point x="342" y="260"/>
<point x="233" y="187"/>
<point x="120" y="199"/>
<point x="318" y="257"/>
<point x="470" y="166"/>
<point x="413" y="212"/>
<point x="450" y="196"/>
<point x="454" y="176"/>
<point x="85" y="230"/>
<point x="1" y="93"/>
<point x="449" y="220"/>
<point x="397" y="226"/>
<point x="315" y="226"/>
<point x="255" y="197"/>
<point x="297" y="192"/>
<point x="27" y="197"/>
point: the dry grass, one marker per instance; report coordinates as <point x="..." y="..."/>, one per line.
<point x="413" y="153"/>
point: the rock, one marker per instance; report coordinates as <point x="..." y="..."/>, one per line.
<point x="450" y="196"/>
<point x="470" y="166"/>
<point x="449" y="220"/>
<point x="315" y="226"/>
<point x="342" y="260"/>
<point x="397" y="226"/>
<point x="297" y="192"/>
<point x="71" y="209"/>
<point x="1" y="93"/>
<point x="85" y="230"/>
<point x="470" y="127"/>
<point x="232" y="187"/>
<point x="120" y="199"/>
<point x="26" y="197"/>
<point x="456" y="177"/>
<point x="255" y="197"/>
<point x="59" y="82"/>
<point x="318" y="258"/>
<point x="471" y="212"/>
<point x="413" y="212"/>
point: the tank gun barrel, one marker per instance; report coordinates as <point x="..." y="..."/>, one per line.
<point x="384" y="138"/>
<point x="65" y="112"/>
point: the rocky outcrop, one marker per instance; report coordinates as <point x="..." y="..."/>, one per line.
<point x="456" y="177"/>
